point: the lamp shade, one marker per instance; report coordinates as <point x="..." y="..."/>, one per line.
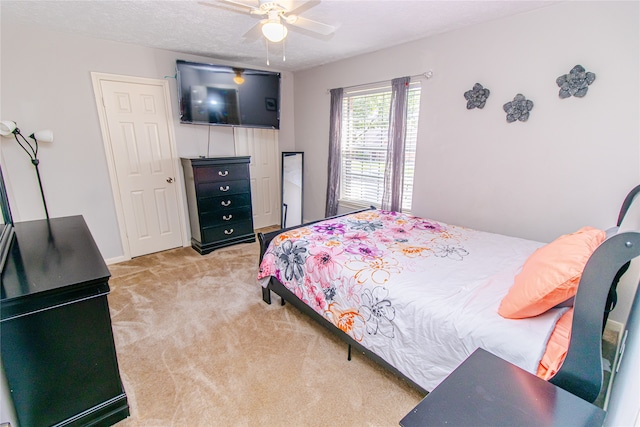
<point x="42" y="135"/>
<point x="274" y="31"/>
<point x="7" y="127"/>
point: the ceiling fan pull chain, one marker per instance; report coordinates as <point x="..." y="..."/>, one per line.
<point x="283" y="51"/>
<point x="267" y="42"/>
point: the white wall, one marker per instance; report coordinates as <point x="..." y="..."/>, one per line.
<point x="46" y="84"/>
<point x="570" y="165"/>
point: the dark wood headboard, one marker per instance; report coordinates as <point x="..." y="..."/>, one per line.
<point x="626" y="204"/>
<point x="581" y="372"/>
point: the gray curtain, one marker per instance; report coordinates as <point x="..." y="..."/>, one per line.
<point x="394" y="170"/>
<point x="333" y="171"/>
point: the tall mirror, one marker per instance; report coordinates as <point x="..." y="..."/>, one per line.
<point x="292" y="190"/>
<point x="6" y="224"/>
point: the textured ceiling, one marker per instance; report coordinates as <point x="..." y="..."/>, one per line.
<point x="216" y="30"/>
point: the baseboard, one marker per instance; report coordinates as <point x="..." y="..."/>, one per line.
<point x="116" y="260"/>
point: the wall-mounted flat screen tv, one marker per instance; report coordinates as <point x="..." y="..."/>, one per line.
<point x="228" y="96"/>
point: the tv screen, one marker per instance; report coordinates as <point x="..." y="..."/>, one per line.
<point x="228" y="96"/>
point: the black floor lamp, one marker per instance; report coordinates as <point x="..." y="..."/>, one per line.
<point x="8" y="127"/>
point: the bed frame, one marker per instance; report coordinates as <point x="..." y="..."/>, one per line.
<point x="581" y="372"/>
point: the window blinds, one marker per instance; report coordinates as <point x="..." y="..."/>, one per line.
<point x="365" y="121"/>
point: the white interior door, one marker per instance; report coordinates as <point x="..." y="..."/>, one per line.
<point x="136" y="125"/>
<point x="262" y="146"/>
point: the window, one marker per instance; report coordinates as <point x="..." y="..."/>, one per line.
<point x="363" y="151"/>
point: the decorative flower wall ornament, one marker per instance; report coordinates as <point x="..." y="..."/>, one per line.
<point x="518" y="109"/>
<point x="575" y="83"/>
<point x="476" y="97"/>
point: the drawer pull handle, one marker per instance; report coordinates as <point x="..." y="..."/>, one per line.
<point x="225" y="173"/>
<point x="227" y="232"/>
<point x="227" y="203"/>
<point x="225" y="188"/>
<point x="227" y="217"/>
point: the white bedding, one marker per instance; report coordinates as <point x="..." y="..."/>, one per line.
<point x="423" y="295"/>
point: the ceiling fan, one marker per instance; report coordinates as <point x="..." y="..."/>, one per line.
<point x="279" y="15"/>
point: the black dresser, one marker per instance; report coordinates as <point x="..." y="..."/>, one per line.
<point x="55" y="328"/>
<point x="219" y="201"/>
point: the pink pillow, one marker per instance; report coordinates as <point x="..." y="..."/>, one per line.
<point x="551" y="274"/>
<point x="557" y="347"/>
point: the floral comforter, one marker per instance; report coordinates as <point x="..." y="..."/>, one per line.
<point x="421" y="294"/>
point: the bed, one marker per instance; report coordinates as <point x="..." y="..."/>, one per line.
<point x="418" y="296"/>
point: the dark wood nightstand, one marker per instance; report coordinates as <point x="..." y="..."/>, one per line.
<point x="486" y="390"/>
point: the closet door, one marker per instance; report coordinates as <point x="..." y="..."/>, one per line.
<point x="262" y="146"/>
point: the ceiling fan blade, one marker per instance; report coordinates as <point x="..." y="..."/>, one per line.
<point x="253" y="34"/>
<point x="302" y="8"/>
<point x="246" y="6"/>
<point x="310" y="25"/>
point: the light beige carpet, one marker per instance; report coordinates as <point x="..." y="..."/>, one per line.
<point x="196" y="346"/>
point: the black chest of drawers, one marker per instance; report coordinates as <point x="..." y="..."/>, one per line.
<point x="219" y="201"/>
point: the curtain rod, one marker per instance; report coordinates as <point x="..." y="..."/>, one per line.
<point x="426" y="74"/>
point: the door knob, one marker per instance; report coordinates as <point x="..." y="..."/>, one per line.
<point x="169" y="180"/>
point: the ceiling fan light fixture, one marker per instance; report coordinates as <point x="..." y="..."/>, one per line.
<point x="274" y="31"/>
<point x="238" y="79"/>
